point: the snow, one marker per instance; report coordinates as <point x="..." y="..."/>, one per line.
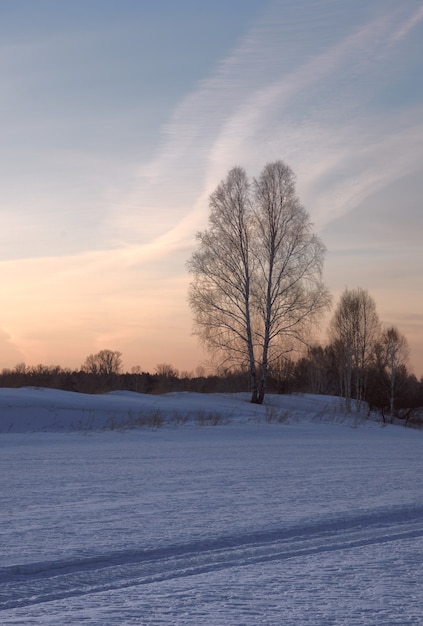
<point x="38" y="409"/>
<point x="287" y="514"/>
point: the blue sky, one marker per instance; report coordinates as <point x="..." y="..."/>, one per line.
<point x="118" y="118"/>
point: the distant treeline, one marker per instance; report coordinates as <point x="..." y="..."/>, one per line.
<point x="316" y="372"/>
<point x="81" y="381"/>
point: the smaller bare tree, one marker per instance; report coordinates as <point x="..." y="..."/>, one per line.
<point x="354" y="331"/>
<point x="166" y="370"/>
<point x="395" y="350"/>
<point x="106" y="363"/>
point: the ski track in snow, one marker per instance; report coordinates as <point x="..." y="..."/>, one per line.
<point x="36" y="583"/>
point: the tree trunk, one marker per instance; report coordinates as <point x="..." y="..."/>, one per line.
<point x="262" y="391"/>
<point x="391" y="402"/>
<point x="254" y="386"/>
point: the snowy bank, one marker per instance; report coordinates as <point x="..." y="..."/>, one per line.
<point x="37" y="409"/>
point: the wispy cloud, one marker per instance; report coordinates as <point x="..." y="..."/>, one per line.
<point x="245" y="114"/>
<point x="409" y="24"/>
<point x="341" y="150"/>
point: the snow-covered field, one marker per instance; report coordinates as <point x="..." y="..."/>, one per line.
<point x="286" y="515"/>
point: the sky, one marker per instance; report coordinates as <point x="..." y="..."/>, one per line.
<point x="118" y="118"/>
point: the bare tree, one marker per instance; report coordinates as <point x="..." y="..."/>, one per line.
<point x="106" y="363"/>
<point x="257" y="272"/>
<point x="354" y="330"/>
<point x="289" y="261"/>
<point x="395" y="350"/>
<point x="222" y="269"/>
<point x="166" y="370"/>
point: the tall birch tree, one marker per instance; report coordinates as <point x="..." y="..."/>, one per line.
<point x="257" y="272"/>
